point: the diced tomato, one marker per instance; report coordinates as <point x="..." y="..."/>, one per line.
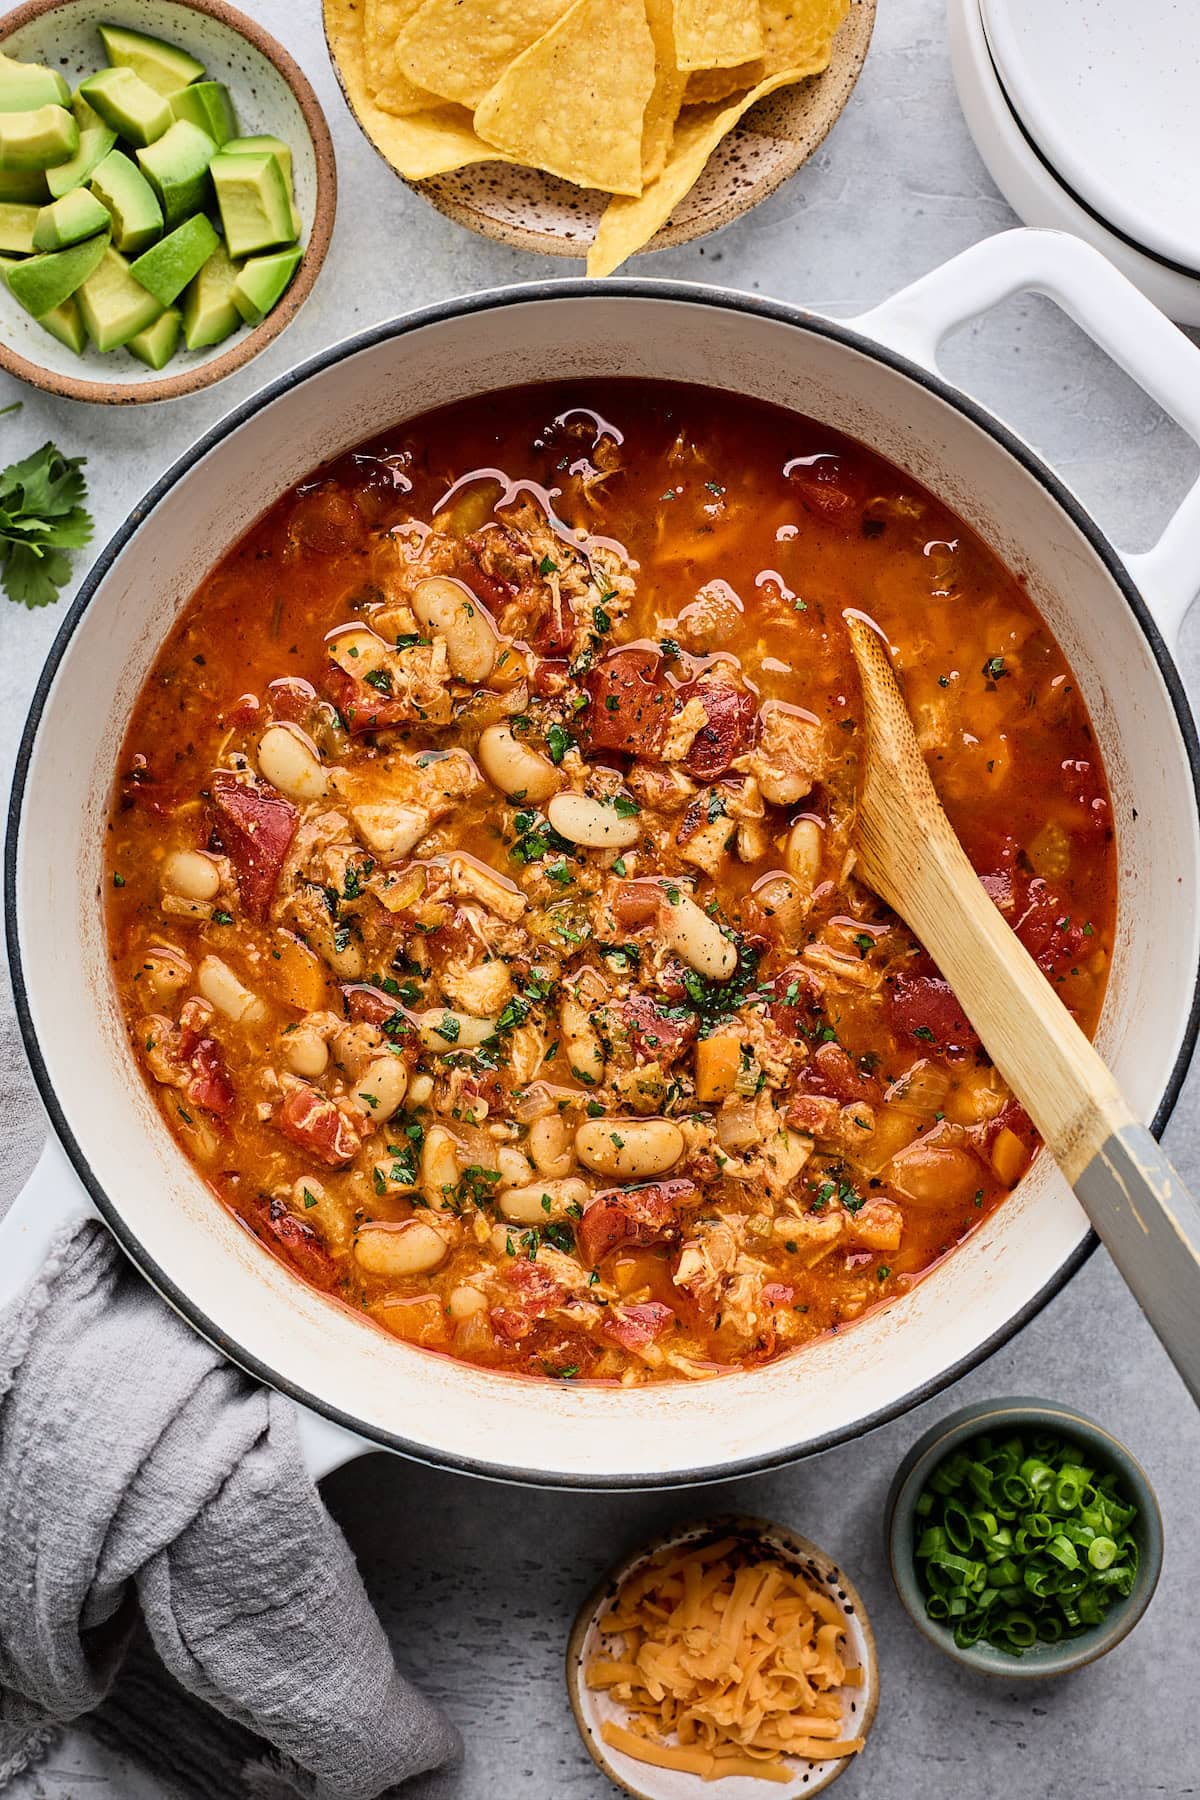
<point x="925" y="1009"/>
<point x="637" y="902"/>
<point x="363" y="707"/>
<point x="644" y="1215"/>
<point x="550" y="676"/>
<point x="998" y="887"/>
<point x="301" y="1245"/>
<point x="795" y="992"/>
<point x="536" y="1293"/>
<point x="243" y="712"/>
<point x="292" y="699"/>
<point x="829" y="488"/>
<point x="633" y="1327"/>
<point x="730" y="713"/>
<point x="318" y="1126"/>
<point x="812" y="1113"/>
<point x="649" y="1029"/>
<point x="1048" y="933"/>
<point x="256" y="825"/>
<point x="833" y="1072"/>
<point x="629" y="704"/>
<point x="210" y="1086"/>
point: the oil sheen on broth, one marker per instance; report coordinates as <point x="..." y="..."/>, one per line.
<point x="481" y="900"/>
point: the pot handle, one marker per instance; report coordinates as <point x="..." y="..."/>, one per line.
<point x="51" y="1199"/>
<point x="1116" y="315"/>
<point x="54" y="1198"/>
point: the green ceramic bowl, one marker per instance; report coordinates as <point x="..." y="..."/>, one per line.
<point x="995" y="1418"/>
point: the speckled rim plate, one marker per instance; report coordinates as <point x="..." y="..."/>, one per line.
<point x="531" y="210"/>
<point x="134" y="387"/>
<point x="644" y="1781"/>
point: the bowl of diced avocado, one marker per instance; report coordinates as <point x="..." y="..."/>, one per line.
<point x="167" y="191"/>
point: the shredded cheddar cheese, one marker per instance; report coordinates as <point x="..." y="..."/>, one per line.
<point x="726" y="1664"/>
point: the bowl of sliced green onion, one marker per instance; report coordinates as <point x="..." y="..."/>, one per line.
<point x="1024" y="1539"/>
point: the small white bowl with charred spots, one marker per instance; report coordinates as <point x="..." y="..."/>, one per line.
<point x="873" y="378"/>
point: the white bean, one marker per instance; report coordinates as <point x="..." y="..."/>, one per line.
<point x="306" y="1053"/>
<point x="585" y="1053"/>
<point x="550" y="1147"/>
<point x="451" y="611"/>
<point x="515" y="1168"/>
<point x="420" y="1090"/>
<point x="381" y="1087"/>
<point x="697" y="938"/>
<point x="412" y="1248"/>
<point x="528" y="1205"/>
<point x="465" y="1302"/>
<point x="443" y="1030"/>
<point x="191" y="874"/>
<point x="596" y="824"/>
<point x="802" y="853"/>
<point x="289" y="762"/>
<point x="628" y="1148"/>
<point x="222" y="989"/>
<point x="519" y="772"/>
<point x="440" y="1167"/>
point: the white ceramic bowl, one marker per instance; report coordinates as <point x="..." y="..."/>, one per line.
<point x="1031" y="185"/>
<point x="866" y="378"/>
<point x="593" y="1707"/>
<point x="271" y="94"/>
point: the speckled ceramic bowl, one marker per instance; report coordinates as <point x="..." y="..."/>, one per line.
<point x="644" y="1781"/>
<point x="995" y="1418"/>
<point x="535" y="211"/>
<point x="271" y="94"/>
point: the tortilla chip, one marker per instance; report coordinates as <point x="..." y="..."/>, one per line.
<point x="796" y="34"/>
<point x="573" y="103"/>
<point x="421" y="145"/>
<point x="706" y="85"/>
<point x="717" y="34"/>
<point x="670" y="82"/>
<point x="383" y="21"/>
<point x="460" y="48"/>
<point x="628" y="224"/>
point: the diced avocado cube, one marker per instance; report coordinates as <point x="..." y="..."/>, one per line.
<point x="177" y="169"/>
<point x="65" y="322"/>
<point x="134" y="109"/>
<point x="76" y="216"/>
<point x="17" y="222"/>
<point x="164" y="66"/>
<point x="264" y="143"/>
<point x="28" y="185"/>
<point x="26" y="86"/>
<point x="115" y="307"/>
<point x="44" y="282"/>
<point x="95" y="142"/>
<point x="38" y="139"/>
<point x="208" y="105"/>
<point x="156" y="345"/>
<point x="137" y="217"/>
<point x="85" y="113"/>
<point x="256" y="208"/>
<point x="263" y="281"/>
<point x="209" y="313"/>
<point x="166" y="268"/>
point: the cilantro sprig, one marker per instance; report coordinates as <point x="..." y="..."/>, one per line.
<point x="42" y="517"/>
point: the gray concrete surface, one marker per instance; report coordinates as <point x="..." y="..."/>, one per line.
<point x="478" y="1583"/>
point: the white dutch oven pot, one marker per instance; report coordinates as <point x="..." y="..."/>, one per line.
<point x="873" y="378"/>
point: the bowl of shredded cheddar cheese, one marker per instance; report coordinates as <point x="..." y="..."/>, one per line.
<point x="732" y="1650"/>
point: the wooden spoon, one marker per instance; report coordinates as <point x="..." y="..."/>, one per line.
<point x="908" y="852"/>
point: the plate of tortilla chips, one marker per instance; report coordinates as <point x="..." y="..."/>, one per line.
<point x="596" y="128"/>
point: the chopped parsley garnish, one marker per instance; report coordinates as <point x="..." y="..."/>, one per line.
<point x="380" y="680"/>
<point x="547" y="566"/>
<point x="558" y="742"/>
<point x="994" y="668"/>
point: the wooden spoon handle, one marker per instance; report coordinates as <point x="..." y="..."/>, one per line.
<point x="1150" y="1224"/>
<point x="909" y="853"/>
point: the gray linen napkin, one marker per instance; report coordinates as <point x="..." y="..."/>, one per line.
<point x="139" y="1472"/>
